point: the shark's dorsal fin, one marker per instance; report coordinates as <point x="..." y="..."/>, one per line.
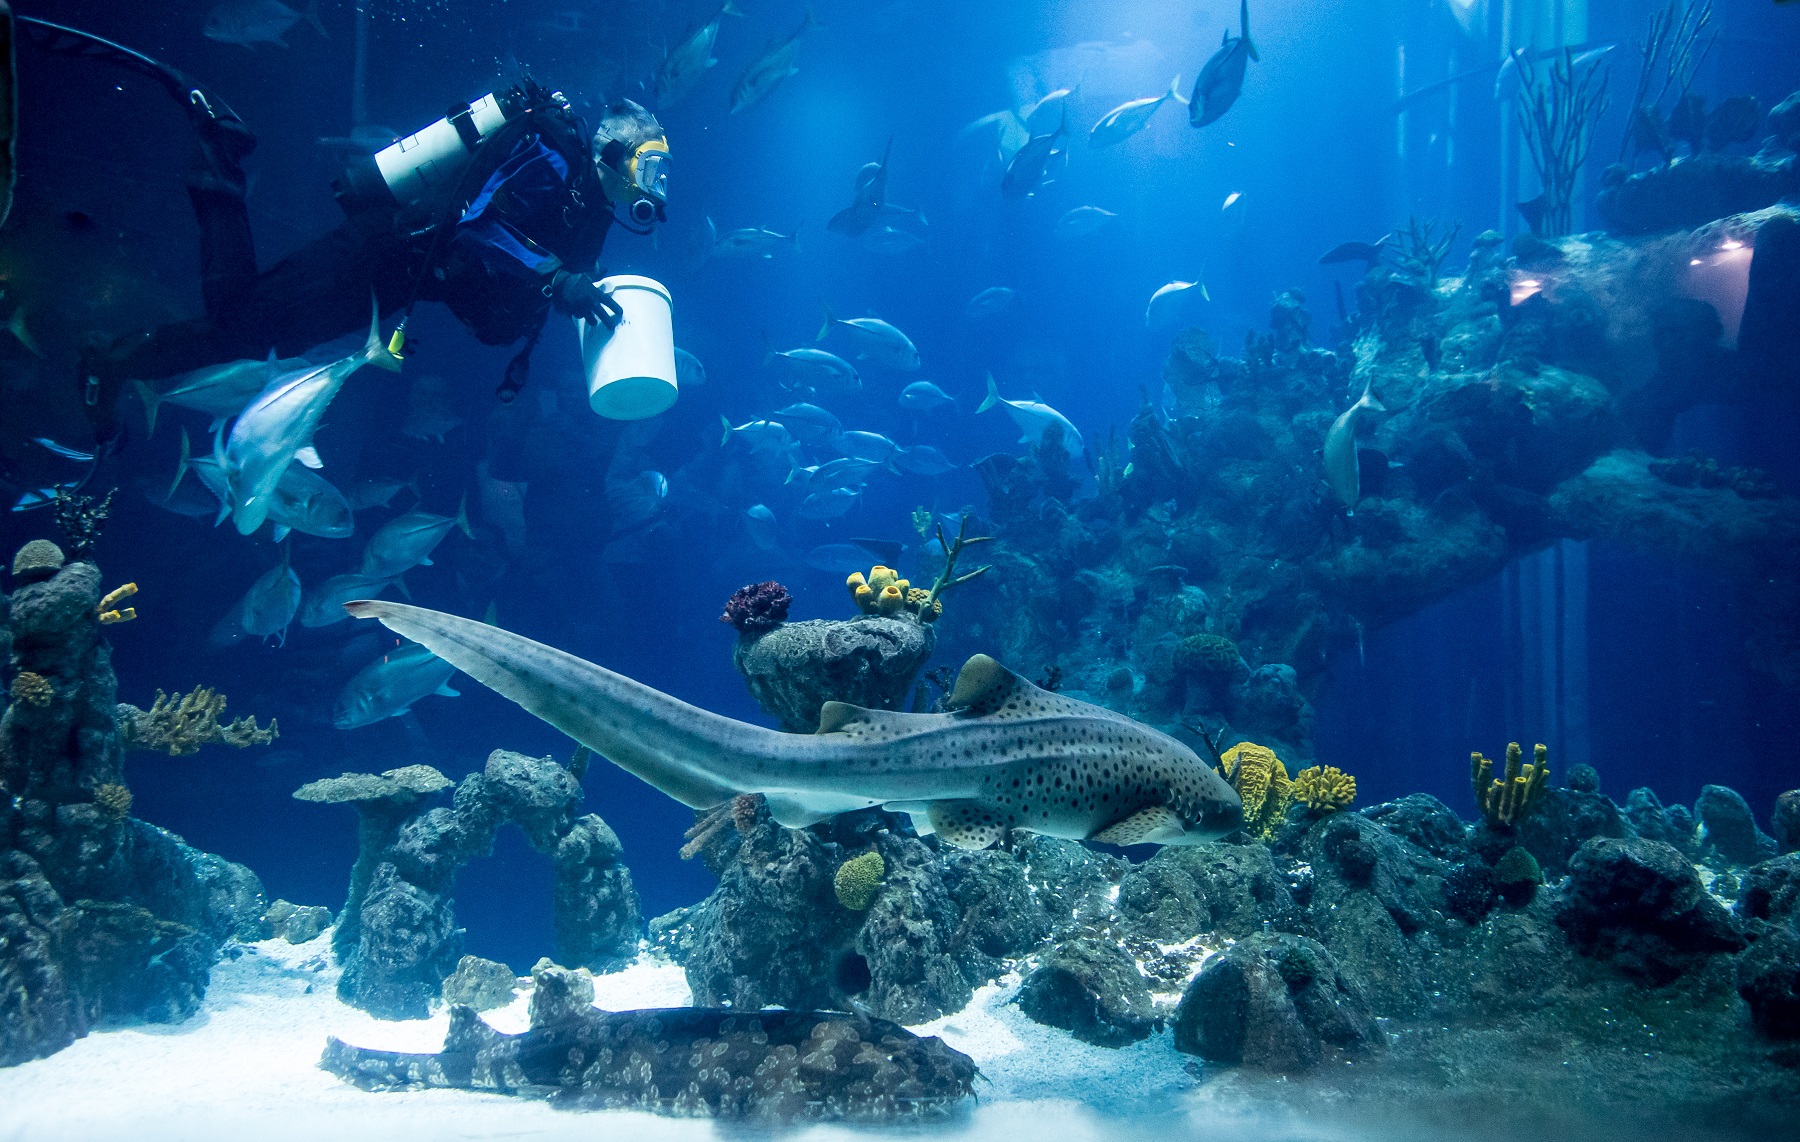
<point x="863" y="724"/>
<point x="986" y="689"/>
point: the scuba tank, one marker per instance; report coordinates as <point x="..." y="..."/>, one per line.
<point x="426" y="165"/>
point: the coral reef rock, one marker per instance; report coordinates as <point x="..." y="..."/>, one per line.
<point x="868" y="661"/>
<point x="1277" y="1002"/>
<point x="104" y="919"/>
<point x="1640" y="905"/>
<point x="398" y="938"/>
<point x="480" y="984"/>
<point x="764" y="1066"/>
<point x="1094" y="990"/>
<point x="1729" y="829"/>
<point x="295" y="923"/>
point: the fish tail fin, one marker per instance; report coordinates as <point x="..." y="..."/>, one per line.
<point x="1200" y="280"/>
<point x="22" y="333"/>
<point x="152" y="401"/>
<point x="462" y="516"/>
<point x="825" y="325"/>
<point x="1368" y="399"/>
<point x="730" y="9"/>
<point x="993" y="395"/>
<point x="311" y="15"/>
<point x="725" y="439"/>
<point x="181" y="465"/>
<point x="1175" y="91"/>
<point x="375" y="350"/>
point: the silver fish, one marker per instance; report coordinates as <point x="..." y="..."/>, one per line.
<point x="761" y="435"/>
<point x="844" y="472"/>
<point x="1165" y="304"/>
<point x="1339" y="453"/>
<point x="923" y="396"/>
<point x="324" y="604"/>
<point x="749" y="242"/>
<point x="807" y="422"/>
<point x="220" y="391"/>
<point x="1127" y="119"/>
<point x="687" y="61"/>
<point x="407" y="541"/>
<point x="1222" y="79"/>
<point x="870" y="446"/>
<point x="876" y="339"/>
<point x="270" y="604"/>
<point x="760" y="522"/>
<point x="1030" y="167"/>
<point x="302" y="500"/>
<point x="689" y="372"/>
<point x="1082" y="221"/>
<point x="828" y="504"/>
<point x="816" y="369"/>
<point x="388" y="687"/>
<point x="767" y="70"/>
<point x="1008" y="756"/>
<point x="923" y="460"/>
<point x="1033" y="417"/>
<point x="636" y="500"/>
<point x="995" y="299"/>
<point x="252" y="22"/>
<point x="430" y="409"/>
<point x="277" y="428"/>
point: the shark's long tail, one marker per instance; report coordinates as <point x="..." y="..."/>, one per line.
<point x="643" y="731"/>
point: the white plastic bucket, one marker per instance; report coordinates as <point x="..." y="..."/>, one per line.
<point x="631" y="369"/>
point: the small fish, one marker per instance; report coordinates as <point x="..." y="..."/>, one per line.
<point x="252" y="22"/>
<point x="749" y="242"/>
<point x="761" y="435"/>
<point x="1031" y="165"/>
<point x="306" y="502"/>
<point x="502" y="504"/>
<point x="1368" y="253"/>
<point x="278" y="425"/>
<point x="1033" y="417"/>
<point x="271" y="603"/>
<point x="1221" y="81"/>
<point x="828" y="504"/>
<point x="760" y="522"/>
<point x="923" y="460"/>
<point x="1166" y="302"/>
<point x="324" y="604"/>
<point x="876" y="340"/>
<point x="1127" y="119"/>
<point x="376" y="493"/>
<point x="870" y="446"/>
<point x="1082" y="221"/>
<point x="1231" y="198"/>
<point x="687" y="61"/>
<point x="923" y="396"/>
<point x="1047" y="113"/>
<point x="689" y="372"/>
<point x="766" y="71"/>
<point x="816" y="369"/>
<point x="407" y="541"/>
<point x="844" y="472"/>
<point x="388" y="687"/>
<point x="994" y="299"/>
<point x="808" y="422"/>
<point x="636" y="500"/>
<point x="63" y="450"/>
<point x="1339" y="453"/>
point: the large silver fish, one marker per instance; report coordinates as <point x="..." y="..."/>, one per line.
<point x="1008" y="756"/>
<point x="388" y="687"/>
<point x="303" y="500"/>
<point x="324" y="604"/>
<point x="1339" y="452"/>
<point x="689" y="60"/>
<point x="767" y="70"/>
<point x="1222" y="79"/>
<point x="1031" y="165"/>
<point x="1127" y="119"/>
<point x="220" y="391"/>
<point x="875" y="340"/>
<point x="747" y="242"/>
<point x="277" y="428"/>
<point x="271" y="603"/>
<point x="1033" y="417"/>
<point x="406" y="541"/>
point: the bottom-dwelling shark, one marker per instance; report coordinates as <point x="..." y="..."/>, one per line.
<point x="1008" y="755"/>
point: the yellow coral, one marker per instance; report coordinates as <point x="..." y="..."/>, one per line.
<point x="1503" y="800"/>
<point x="1262" y="782"/>
<point x="880" y="577"/>
<point x="890" y="600"/>
<point x="858" y="880"/>
<point x="1324" y="790"/>
<point x="109" y="609"/>
<point x="32" y="689"/>
<point x="181" y="725"/>
<point x="113" y="799"/>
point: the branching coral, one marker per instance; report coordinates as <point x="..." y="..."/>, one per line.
<point x="858" y="880"/>
<point x="113" y="799"/>
<point x="1323" y="790"/>
<point x="181" y="725"/>
<point x="1503" y="800"/>
<point x="80" y="519"/>
<point x="1558" y="112"/>
<point x="758" y="607"/>
<point x="32" y="689"/>
<point x="1262" y="782"/>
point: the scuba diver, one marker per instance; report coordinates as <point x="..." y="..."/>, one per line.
<point x="499" y="211"/>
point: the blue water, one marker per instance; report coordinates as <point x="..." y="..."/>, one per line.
<point x="1313" y="149"/>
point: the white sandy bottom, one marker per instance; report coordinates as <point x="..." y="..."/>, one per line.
<point x="247" y="1067"/>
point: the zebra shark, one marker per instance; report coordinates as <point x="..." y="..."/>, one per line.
<point x="1007" y="755"/>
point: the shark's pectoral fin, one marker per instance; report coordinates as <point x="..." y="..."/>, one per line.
<point x="968" y="824"/>
<point x="798" y="810"/>
<point x="919" y="811"/>
<point x="1139" y="827"/>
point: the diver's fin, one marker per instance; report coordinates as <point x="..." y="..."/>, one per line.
<point x="993" y="395"/>
<point x="1134" y="829"/>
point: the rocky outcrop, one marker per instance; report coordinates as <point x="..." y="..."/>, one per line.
<point x="397" y="937"/>
<point x="1092" y="989"/>
<point x="868" y="661"/>
<point x="1277" y="1002"/>
<point x="1639" y="905"/>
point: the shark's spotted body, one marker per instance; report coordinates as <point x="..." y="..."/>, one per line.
<point x="1008" y="756"/>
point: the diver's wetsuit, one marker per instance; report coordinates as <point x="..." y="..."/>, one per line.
<point x="529" y="206"/>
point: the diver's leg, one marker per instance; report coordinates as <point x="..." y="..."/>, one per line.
<point x="216" y="187"/>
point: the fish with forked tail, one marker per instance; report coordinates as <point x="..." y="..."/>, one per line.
<point x="1008" y="756"/>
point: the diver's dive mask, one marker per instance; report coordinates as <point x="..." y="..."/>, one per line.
<point x="636" y="177"/>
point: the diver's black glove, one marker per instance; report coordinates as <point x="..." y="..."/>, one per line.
<point x="577" y="296"/>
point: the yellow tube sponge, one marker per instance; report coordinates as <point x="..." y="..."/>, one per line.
<point x="1324" y="790"/>
<point x="1505" y="799"/>
<point x="109" y="609"/>
<point x="890" y="600"/>
<point x="1262" y="782"/>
